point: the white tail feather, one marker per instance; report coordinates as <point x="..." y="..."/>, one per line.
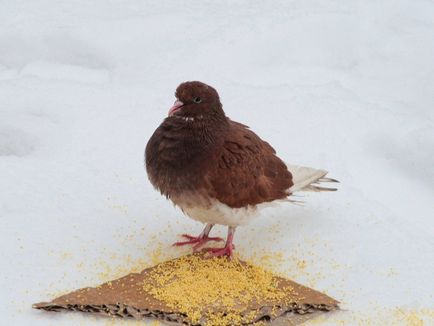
<point x="307" y="179"/>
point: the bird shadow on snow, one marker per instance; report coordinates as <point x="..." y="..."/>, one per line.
<point x="276" y="228"/>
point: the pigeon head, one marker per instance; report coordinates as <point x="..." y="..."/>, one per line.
<point x="195" y="99"/>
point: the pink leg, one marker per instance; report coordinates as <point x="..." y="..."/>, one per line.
<point x="227" y="250"/>
<point x="200" y="240"/>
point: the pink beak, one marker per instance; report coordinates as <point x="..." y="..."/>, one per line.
<point x="176" y="106"/>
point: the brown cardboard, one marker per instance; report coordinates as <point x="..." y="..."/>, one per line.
<point x="125" y="297"/>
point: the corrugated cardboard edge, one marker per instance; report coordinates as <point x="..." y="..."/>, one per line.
<point x="125" y="298"/>
<point x="293" y="316"/>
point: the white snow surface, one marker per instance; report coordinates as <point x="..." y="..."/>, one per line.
<point x="347" y="86"/>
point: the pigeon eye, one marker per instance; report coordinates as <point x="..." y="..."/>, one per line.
<point x="197" y="100"/>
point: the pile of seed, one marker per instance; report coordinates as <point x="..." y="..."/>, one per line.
<point x="213" y="291"/>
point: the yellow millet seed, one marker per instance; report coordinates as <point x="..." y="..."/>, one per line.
<point x="214" y="291"/>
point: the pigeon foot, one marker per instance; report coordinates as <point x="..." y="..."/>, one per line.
<point x="220" y="252"/>
<point x="197" y="242"/>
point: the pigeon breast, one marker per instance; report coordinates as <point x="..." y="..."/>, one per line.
<point x="203" y="163"/>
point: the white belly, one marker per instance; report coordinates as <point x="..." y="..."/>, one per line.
<point x="215" y="212"/>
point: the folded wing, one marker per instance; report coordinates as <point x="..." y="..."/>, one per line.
<point x="247" y="170"/>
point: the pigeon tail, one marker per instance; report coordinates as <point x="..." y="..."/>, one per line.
<point x="309" y="179"/>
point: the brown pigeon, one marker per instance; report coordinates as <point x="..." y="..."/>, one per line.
<point x="217" y="170"/>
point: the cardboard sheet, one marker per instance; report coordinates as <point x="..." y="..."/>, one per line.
<point x="126" y="298"/>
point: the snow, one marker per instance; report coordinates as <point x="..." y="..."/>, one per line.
<point x="342" y="85"/>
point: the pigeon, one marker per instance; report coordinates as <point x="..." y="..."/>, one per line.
<point x="216" y="170"/>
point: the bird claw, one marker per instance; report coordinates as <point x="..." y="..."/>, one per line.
<point x="197" y="242"/>
<point x="220" y="252"/>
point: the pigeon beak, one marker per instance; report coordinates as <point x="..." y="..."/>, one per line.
<point x="176" y="106"/>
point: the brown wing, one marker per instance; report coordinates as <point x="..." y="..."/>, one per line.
<point x="247" y="171"/>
